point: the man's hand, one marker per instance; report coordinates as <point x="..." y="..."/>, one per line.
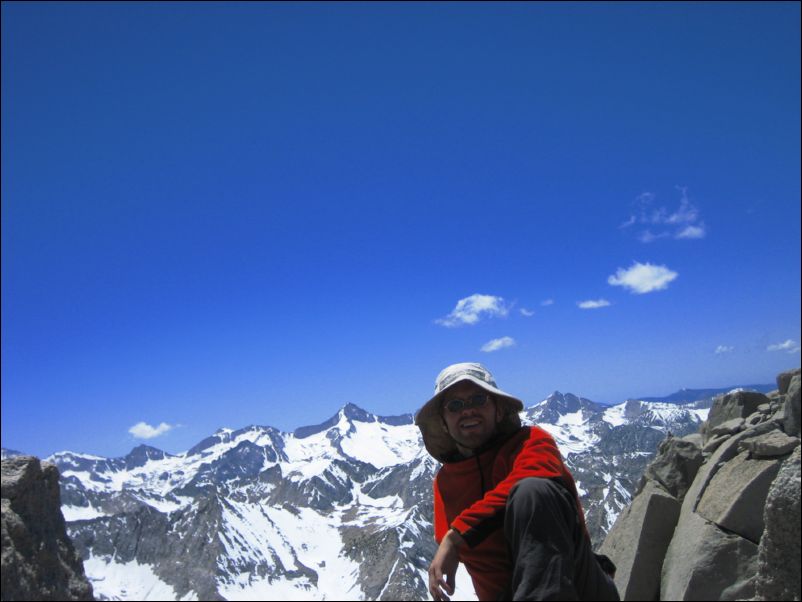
<point x="443" y="570"/>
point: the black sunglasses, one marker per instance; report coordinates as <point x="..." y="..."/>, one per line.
<point x="474" y="401"/>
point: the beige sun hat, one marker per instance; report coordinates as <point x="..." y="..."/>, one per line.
<point x="430" y="422"/>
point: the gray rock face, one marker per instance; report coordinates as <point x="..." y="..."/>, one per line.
<point x="740" y="404"/>
<point x="728" y="427"/>
<point x="638" y="541"/>
<point x="737" y="489"/>
<point x="675" y="466"/>
<point x="38" y="560"/>
<point x="791" y="414"/>
<point x="779" y="555"/>
<point x="770" y="445"/>
<point x="738" y="532"/>
<point x="703" y="561"/>
<point x="784" y="380"/>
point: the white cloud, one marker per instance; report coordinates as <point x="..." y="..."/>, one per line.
<point x="647" y="236"/>
<point x="497" y="344"/>
<point x="547" y="302"/>
<point x="591" y="304"/>
<point x="691" y="232"/>
<point x="142" y="430"/>
<point x="526" y="312"/>
<point x="681" y="223"/>
<point x="724" y="349"/>
<point x="790" y="346"/>
<point x="470" y="309"/>
<point x="643" y="278"/>
<point x="686" y="214"/>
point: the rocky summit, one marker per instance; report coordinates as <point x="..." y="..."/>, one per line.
<point x="717" y="514"/>
<point x="338" y="510"/>
<point x="38" y="560"/>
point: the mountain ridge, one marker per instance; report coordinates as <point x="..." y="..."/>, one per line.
<point x="681" y="397"/>
<point x="344" y="509"/>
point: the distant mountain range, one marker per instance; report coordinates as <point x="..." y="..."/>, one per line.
<point x="338" y="510"/>
<point x="690" y="395"/>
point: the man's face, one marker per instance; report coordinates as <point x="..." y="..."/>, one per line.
<point x="470" y="427"/>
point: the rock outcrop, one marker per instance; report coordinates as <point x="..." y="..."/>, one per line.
<point x="717" y="514"/>
<point x="38" y="560"/>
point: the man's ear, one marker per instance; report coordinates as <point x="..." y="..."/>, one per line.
<point x="444" y="425"/>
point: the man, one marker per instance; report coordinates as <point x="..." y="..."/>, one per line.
<point x="504" y="502"/>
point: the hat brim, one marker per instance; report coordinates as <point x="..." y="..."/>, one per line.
<point x="429" y="420"/>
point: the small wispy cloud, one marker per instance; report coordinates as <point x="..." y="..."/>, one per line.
<point x="591" y="304"/>
<point x="648" y="236"/>
<point x="789" y="345"/>
<point x="526" y="312"/>
<point x="643" y="278"/>
<point x="142" y="430"/>
<point x="660" y="222"/>
<point x="724" y="349"/>
<point x="497" y="344"/>
<point x="547" y="302"/>
<point x="691" y="232"/>
<point x="470" y="309"/>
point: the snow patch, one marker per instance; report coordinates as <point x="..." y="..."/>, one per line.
<point x="73" y="513"/>
<point x="128" y="581"/>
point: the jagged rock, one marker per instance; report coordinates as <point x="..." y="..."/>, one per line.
<point x="727" y="450"/>
<point x="784" y="380"/>
<point x="695" y="438"/>
<point x="714" y="443"/>
<point x="779" y="555"/>
<point x="735" y="492"/>
<point x="638" y="541"/>
<point x="705" y="563"/>
<point x="791" y="413"/>
<point x="755" y="418"/>
<point x="775" y="443"/>
<point x="713" y="549"/>
<point x="729" y="427"/>
<point x="38" y="560"/>
<point x="702" y="561"/>
<point x="675" y="466"/>
<point x="738" y="404"/>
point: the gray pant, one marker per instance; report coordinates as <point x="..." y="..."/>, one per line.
<point x="551" y="553"/>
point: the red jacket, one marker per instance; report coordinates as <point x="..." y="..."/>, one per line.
<point x="470" y="496"/>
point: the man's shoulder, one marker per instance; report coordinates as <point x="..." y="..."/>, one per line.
<point x="531" y="438"/>
<point x="530" y="433"/>
<point x="536" y="432"/>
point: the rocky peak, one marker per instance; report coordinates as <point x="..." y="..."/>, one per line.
<point x="38" y="560"/>
<point x="350" y="412"/>
<point x="354" y="412"/>
<point x="633" y="408"/>
<point x="141" y="455"/>
<point x="559" y="404"/>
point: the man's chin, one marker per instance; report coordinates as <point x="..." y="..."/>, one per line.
<point x="472" y="442"/>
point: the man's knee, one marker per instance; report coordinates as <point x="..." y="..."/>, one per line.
<point x="536" y="487"/>
<point x="537" y="494"/>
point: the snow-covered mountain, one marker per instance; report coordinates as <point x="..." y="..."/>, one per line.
<point x="340" y="510"/>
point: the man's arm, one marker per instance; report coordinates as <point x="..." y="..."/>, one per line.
<point x="443" y="570"/>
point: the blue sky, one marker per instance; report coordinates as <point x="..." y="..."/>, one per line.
<point x="231" y="214"/>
